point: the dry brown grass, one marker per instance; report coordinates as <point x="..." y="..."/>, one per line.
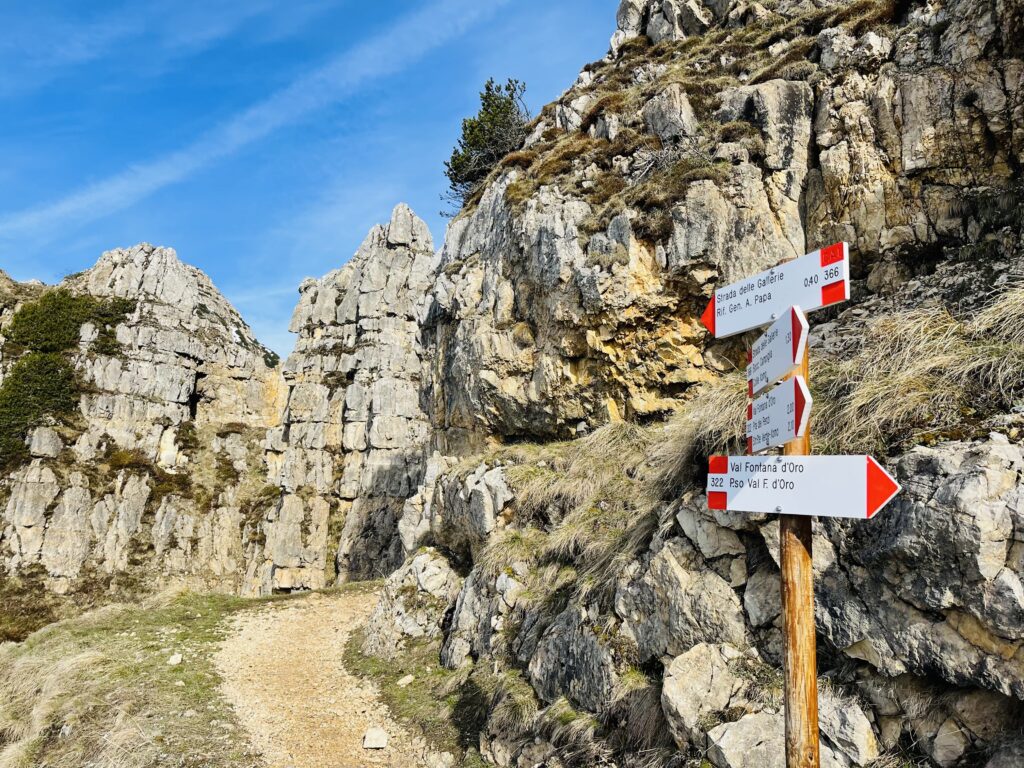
<point x="576" y="735"/>
<point x="713" y="422"/>
<point x="97" y="690"/>
<point x="920" y="374"/>
<point x="581" y="509"/>
<point x="514" y="706"/>
<point x="635" y="708"/>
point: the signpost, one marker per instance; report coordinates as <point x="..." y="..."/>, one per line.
<point x="816" y="280"/>
<point x="795" y="485"/>
<point x="778" y="352"/>
<point x="778" y="416"/>
<point x="854" y="487"/>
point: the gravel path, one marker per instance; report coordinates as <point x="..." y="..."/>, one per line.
<point x="283" y="672"/>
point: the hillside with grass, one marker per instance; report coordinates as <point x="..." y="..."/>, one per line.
<point x="511" y="432"/>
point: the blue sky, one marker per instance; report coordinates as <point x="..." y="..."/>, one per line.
<point x="260" y="138"/>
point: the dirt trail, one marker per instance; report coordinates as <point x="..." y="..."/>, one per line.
<point x="284" y="674"/>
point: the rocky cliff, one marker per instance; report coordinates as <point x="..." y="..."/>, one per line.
<point x="515" y="427"/>
<point x="150" y="476"/>
<point x="633" y="626"/>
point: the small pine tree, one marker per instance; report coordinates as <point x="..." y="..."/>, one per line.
<point x="498" y="129"/>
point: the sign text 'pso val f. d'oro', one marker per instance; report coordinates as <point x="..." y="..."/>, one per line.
<point x="830" y="486"/>
<point x="816" y="280"/>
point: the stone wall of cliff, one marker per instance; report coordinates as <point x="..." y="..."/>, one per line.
<point x="153" y="477"/>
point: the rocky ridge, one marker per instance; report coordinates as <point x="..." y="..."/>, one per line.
<point x="469" y="419"/>
<point x="147" y="482"/>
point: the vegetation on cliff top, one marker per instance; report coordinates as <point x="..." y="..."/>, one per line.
<point x="42" y="384"/>
<point x="54" y="321"/>
<point x="498" y="129"/>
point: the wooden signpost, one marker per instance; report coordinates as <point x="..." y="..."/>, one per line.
<point x="796" y="485"/>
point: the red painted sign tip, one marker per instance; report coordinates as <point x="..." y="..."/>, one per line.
<point x="882" y="488"/>
<point x="708" y="318"/>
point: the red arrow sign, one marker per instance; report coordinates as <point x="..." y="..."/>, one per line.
<point x="779" y="350"/>
<point x="826" y="486"/>
<point x="817" y="280"/>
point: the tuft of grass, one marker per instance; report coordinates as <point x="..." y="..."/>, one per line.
<point x="226" y="472"/>
<point x="712" y="422"/>
<point x="765" y="683"/>
<point x="514" y="706"/>
<point x="510" y="546"/>
<point x="636" y="711"/>
<point x="949" y="374"/>
<point x="576" y="735"/>
<point x="187" y="437"/>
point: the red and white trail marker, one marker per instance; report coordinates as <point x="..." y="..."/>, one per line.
<point x="816" y="280"/>
<point x="779" y="415"/>
<point x="829" y="486"/>
<point x="778" y="352"/>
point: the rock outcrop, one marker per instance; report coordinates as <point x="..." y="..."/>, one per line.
<point x="352" y="447"/>
<point x="146" y="484"/>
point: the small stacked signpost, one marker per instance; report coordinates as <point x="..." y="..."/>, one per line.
<point x="795" y="485"/>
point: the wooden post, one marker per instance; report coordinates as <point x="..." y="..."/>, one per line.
<point x="798" y="632"/>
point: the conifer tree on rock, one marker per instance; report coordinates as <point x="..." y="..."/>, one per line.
<point x="498" y="129"/>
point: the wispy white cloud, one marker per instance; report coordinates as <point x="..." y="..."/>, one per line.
<point x="382" y="55"/>
<point x="38" y="47"/>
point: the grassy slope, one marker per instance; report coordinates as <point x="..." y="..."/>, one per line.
<point x="97" y="690"/>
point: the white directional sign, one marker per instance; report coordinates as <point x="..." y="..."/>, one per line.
<point x="829" y="486"/>
<point x="777" y="352"/>
<point x="779" y="415"/>
<point x="816" y="280"/>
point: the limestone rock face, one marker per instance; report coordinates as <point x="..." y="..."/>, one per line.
<point x="355" y="428"/>
<point x="127" y="493"/>
<point x="571" y="660"/>
<point x="415" y="600"/>
<point x="936" y="586"/>
<point x="755" y="739"/>
<point x="465" y="512"/>
<point x="676" y="602"/>
<point x="699" y="685"/>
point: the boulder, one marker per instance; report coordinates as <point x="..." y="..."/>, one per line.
<point x="669" y="115"/>
<point x="699" y="687"/>
<point x="413" y="603"/>
<point x="754" y="741"/>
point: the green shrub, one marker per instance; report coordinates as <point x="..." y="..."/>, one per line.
<point x="39" y="385"/>
<point x="53" y="322"/>
<point x="227" y="473"/>
<point x="121" y="458"/>
<point x="498" y="129"/>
